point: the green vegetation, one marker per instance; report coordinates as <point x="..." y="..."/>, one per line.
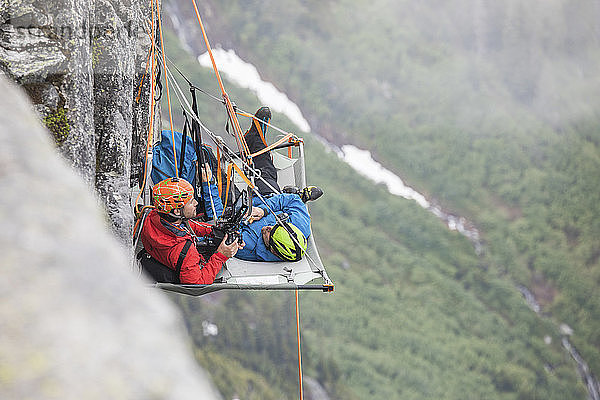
<point x="58" y="124"/>
<point x="491" y="111"/>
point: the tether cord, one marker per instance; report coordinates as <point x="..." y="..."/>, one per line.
<point x="151" y="101"/>
<point x="182" y="100"/>
<point x="230" y="111"/>
<point x="299" y="352"/>
<point x="162" y="46"/>
<point x="241" y="141"/>
<point x="197" y="137"/>
<point x="191" y="84"/>
<point x="238" y="110"/>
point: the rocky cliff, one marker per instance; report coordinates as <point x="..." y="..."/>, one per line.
<point x="76" y="323"/>
<point x="80" y="62"/>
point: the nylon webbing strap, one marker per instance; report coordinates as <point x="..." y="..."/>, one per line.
<point x="271" y="147"/>
<point x="183" y="144"/>
<point x="230" y="169"/>
<point x="244" y="177"/>
<point x="197" y="136"/>
<point x="186" y="247"/>
<point x="290" y="149"/>
<point x="229" y="178"/>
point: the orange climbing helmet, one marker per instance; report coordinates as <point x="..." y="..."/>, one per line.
<point x="171" y="194"/>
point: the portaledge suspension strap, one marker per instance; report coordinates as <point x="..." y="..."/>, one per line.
<point x="197" y="136"/>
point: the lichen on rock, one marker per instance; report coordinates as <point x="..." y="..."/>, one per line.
<point x="58" y="124"/>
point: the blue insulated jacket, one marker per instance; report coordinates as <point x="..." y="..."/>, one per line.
<point x="255" y="249"/>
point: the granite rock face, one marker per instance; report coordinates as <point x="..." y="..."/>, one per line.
<point x="75" y="321"/>
<point x="44" y="46"/>
<point x="80" y="62"/>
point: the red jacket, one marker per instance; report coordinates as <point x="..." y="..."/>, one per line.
<point x="165" y="246"/>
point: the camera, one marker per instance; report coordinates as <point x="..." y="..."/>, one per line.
<point x="229" y="226"/>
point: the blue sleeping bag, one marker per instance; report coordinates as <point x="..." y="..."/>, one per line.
<point x="163" y="162"/>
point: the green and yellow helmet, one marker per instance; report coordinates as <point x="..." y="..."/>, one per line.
<point x="287" y="242"/>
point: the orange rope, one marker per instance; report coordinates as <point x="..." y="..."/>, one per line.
<point x="137" y="98"/>
<point x="212" y="59"/>
<point x="292" y="139"/>
<point x="150" y="130"/>
<point x="242" y="175"/>
<point x="299" y="352"/>
<point x="229" y="172"/>
<point x="260" y="131"/>
<point x="230" y="111"/>
<point x="284" y="139"/>
<point x="162" y="46"/>
<point x="230" y="169"/>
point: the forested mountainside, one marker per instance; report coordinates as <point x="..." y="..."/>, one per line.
<point x="488" y="108"/>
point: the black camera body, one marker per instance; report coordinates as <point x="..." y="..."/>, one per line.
<point x="225" y="226"/>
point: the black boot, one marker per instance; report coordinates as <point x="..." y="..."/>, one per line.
<point x="309" y="193"/>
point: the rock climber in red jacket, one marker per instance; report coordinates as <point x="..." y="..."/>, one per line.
<point x="170" y="236"/>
